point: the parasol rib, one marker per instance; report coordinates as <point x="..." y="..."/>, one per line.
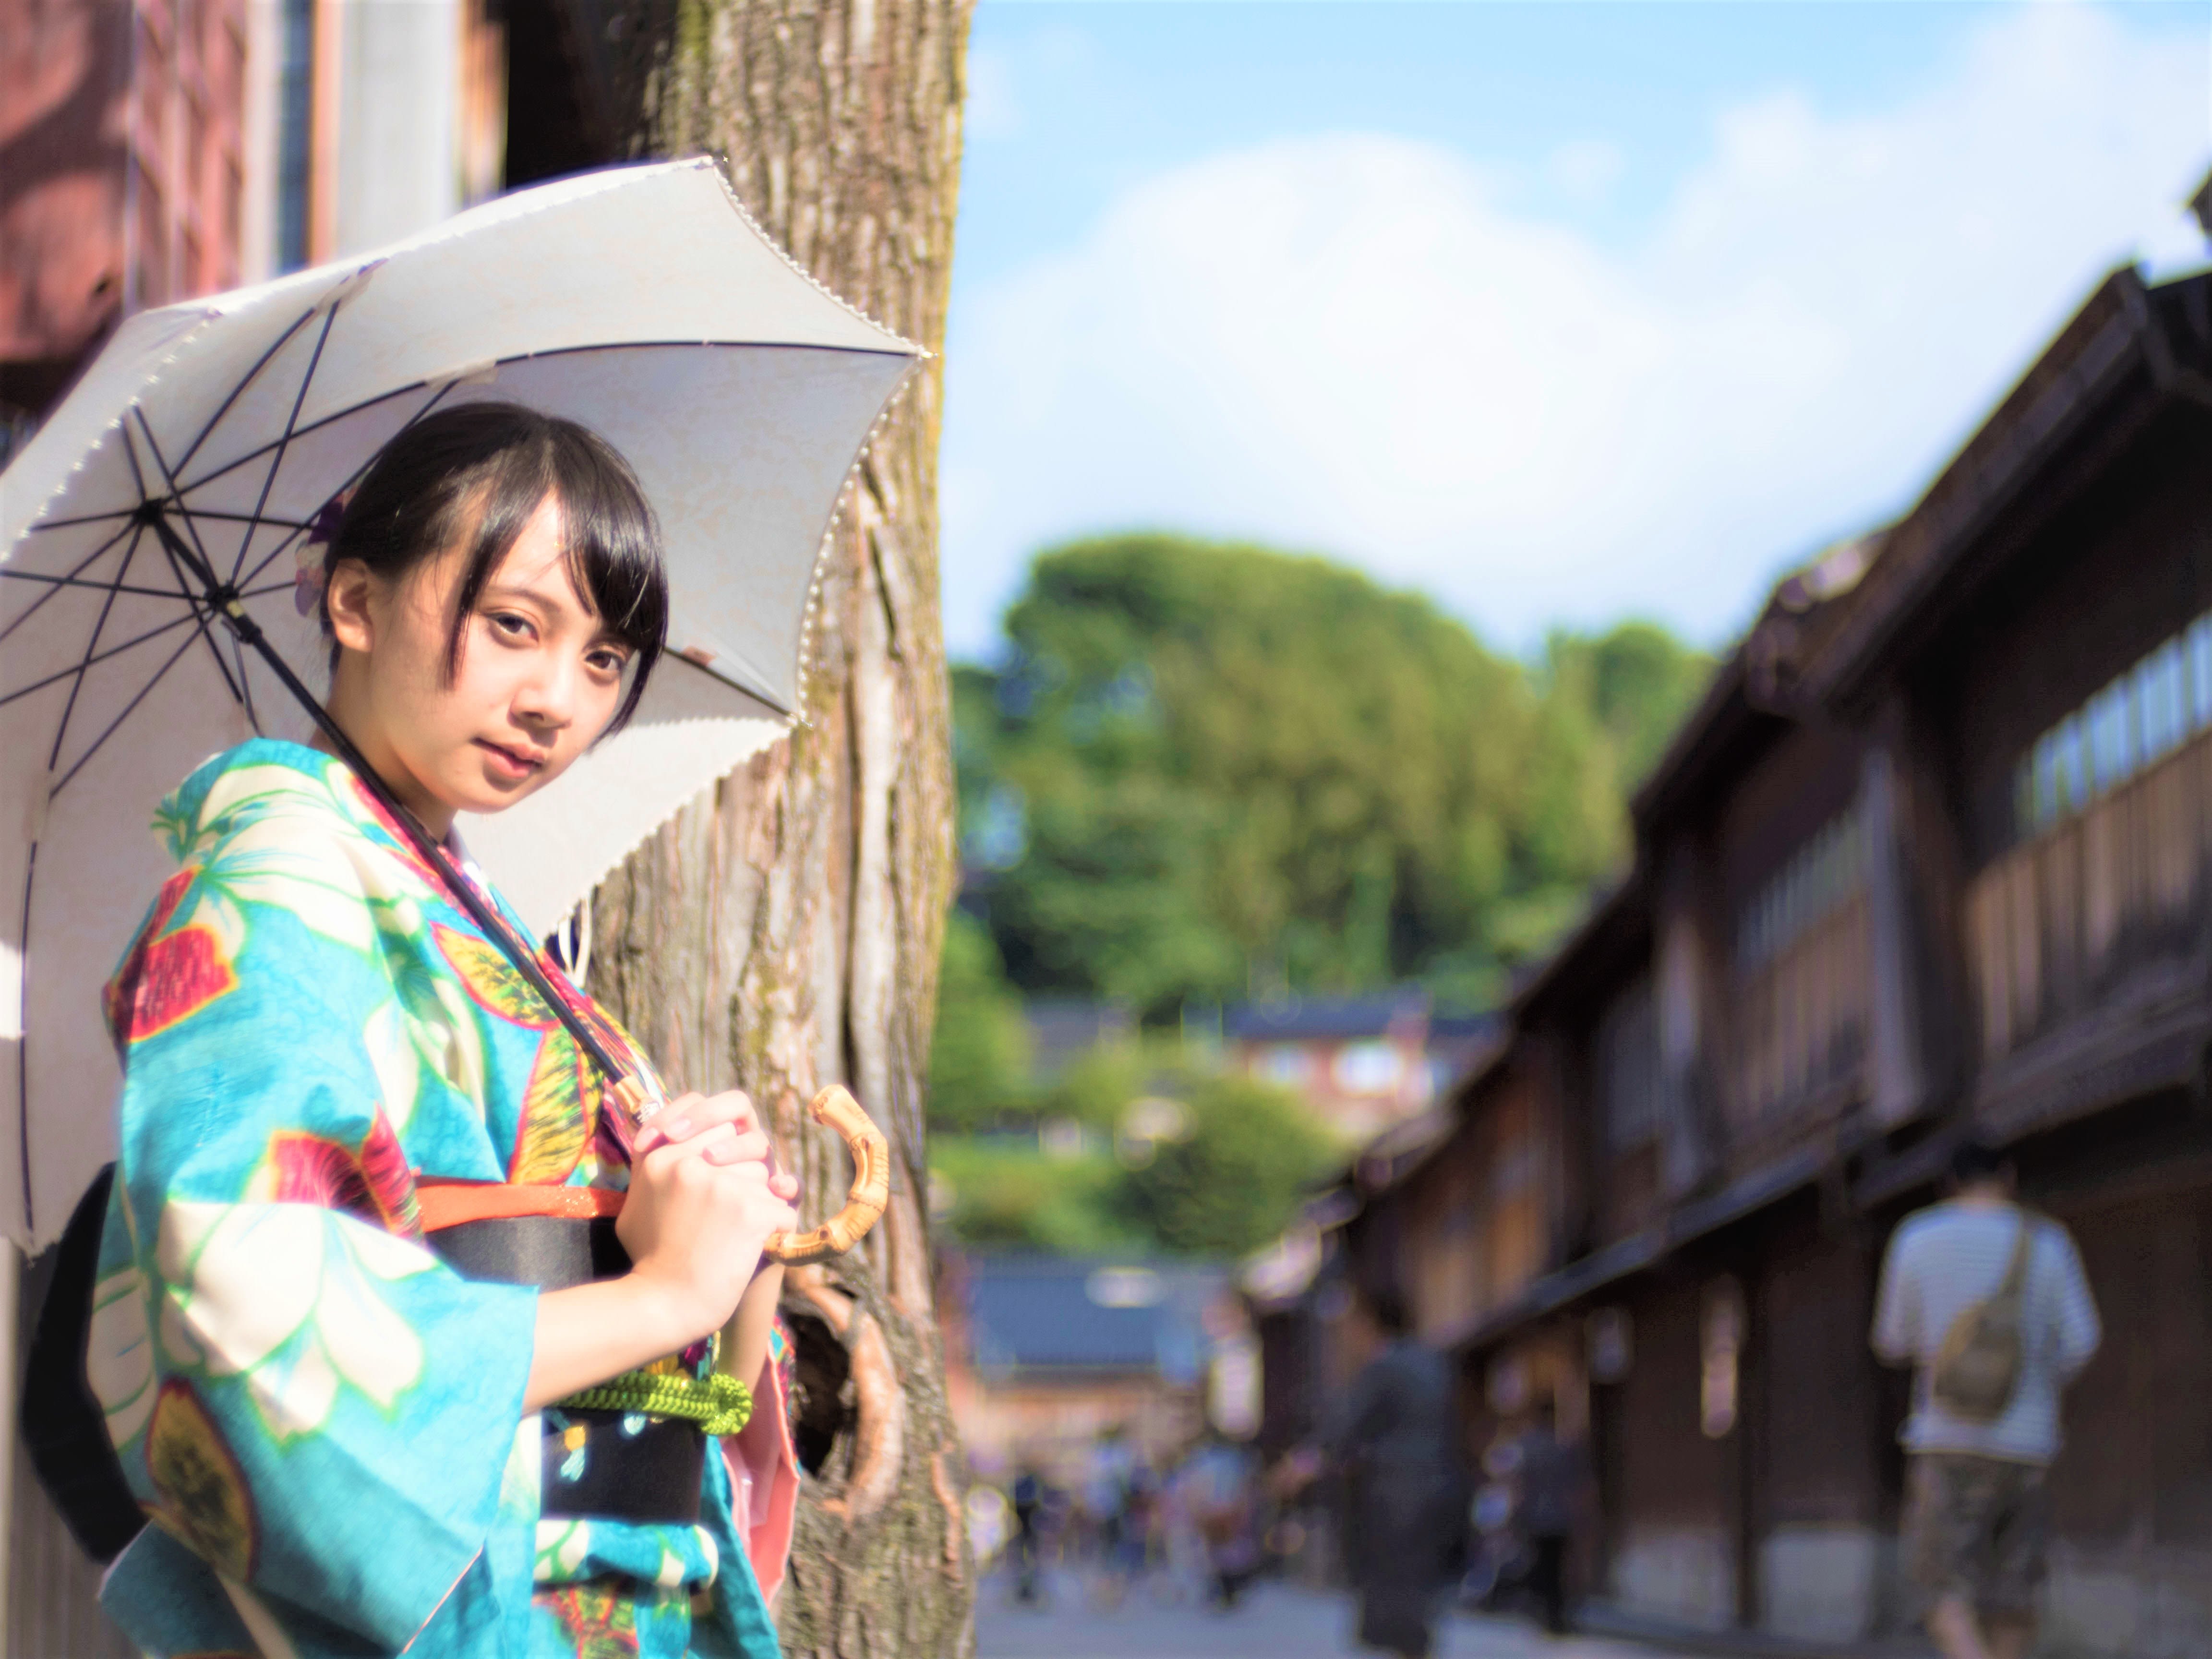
<point x="207" y="429"/>
<point x="126" y="514"/>
<point x="172" y="493"/>
<point x="131" y="644"/>
<point x="291" y="426"/>
<point x="199" y="617"/>
<point x="99" y="627"/>
<point x="109" y="730"/>
<point x="97" y="587"/>
<point x="128" y="527"/>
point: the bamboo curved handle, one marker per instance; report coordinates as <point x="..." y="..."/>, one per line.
<point x="872" y="1184"/>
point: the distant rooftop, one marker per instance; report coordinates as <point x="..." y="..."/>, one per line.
<point x="1044" y="1313"/>
<point x="1458" y="1042"/>
<point x="1061" y="1033"/>
<point x="1309" y="1017"/>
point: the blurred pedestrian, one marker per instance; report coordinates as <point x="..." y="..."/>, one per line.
<point x="1549" y="1479"/>
<point x="1029" y="1535"/>
<point x="1143" y="1543"/>
<point x="989" y="1524"/>
<point x="1498" y="1566"/>
<point x="1108" y="1480"/>
<point x="1216" y="1483"/>
<point x="1989" y="1304"/>
<point x="1396" y="1440"/>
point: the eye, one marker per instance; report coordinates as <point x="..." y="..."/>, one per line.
<point x="607" y="660"/>
<point x="510" y="624"/>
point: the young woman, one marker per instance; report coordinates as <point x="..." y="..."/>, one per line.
<point x="356" y="1431"/>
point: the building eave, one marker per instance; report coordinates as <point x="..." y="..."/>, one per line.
<point x="1620" y="909"/>
<point x="1720" y="716"/>
<point x="2110" y="367"/>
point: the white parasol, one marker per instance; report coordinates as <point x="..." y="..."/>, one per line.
<point x="153" y="528"/>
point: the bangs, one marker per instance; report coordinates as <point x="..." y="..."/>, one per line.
<point x="611" y="540"/>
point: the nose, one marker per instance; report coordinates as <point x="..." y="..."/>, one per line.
<point x="545" y="700"/>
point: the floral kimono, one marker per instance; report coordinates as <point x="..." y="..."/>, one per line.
<point x="322" y="1419"/>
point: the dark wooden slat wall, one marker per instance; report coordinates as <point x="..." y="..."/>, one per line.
<point x="2093" y="908"/>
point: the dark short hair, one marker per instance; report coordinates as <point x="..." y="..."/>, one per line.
<point x="499" y="461"/>
<point x="1976" y="1160"/>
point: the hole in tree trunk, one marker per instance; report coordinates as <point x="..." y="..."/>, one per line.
<point x="822" y="1395"/>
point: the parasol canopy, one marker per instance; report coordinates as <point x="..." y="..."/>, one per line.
<point x="158" y="521"/>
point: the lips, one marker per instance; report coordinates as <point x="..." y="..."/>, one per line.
<point x="521" y="762"/>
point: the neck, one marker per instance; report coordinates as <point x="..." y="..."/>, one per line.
<point x="1985" y="1195"/>
<point x="432" y="814"/>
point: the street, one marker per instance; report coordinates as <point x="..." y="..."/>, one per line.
<point x="1274" y="1621"/>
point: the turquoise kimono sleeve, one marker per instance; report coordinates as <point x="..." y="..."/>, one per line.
<point x="301" y="1393"/>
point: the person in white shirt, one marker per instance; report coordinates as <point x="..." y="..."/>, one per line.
<point x="1976" y="1524"/>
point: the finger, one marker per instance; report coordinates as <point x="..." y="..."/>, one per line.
<point x="753" y="1148"/>
<point x="732" y="1107"/>
<point x="785" y="1186"/>
<point x="775" y="1158"/>
<point x="742" y="1190"/>
<point x="700" y="1143"/>
<point x="674" y="1122"/>
<point x="776" y="1218"/>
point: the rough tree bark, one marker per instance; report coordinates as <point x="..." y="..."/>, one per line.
<point x="783" y="931"/>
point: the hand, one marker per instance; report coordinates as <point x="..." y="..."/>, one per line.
<point x="704" y="1197"/>
<point x="688" y="1116"/>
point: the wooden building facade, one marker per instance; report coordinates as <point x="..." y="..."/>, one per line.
<point x="1933" y="857"/>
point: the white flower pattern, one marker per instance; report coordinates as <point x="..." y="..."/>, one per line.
<point x="245" y="1280"/>
<point x="284" y="856"/>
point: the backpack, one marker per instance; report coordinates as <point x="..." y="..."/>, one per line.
<point x="1979" y="1364"/>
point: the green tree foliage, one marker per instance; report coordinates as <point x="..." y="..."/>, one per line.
<point x="1230" y="1184"/>
<point x="1639" y="681"/>
<point x="979" y="1057"/>
<point x="1007" y="1194"/>
<point x="1210" y="770"/>
<point x="1235" y="1180"/>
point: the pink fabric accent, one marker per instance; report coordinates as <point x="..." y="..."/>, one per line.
<point x="764" y="1480"/>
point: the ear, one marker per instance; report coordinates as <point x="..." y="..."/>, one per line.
<point x="348" y="595"/>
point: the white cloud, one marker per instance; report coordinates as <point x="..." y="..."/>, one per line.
<point x="1349" y="343"/>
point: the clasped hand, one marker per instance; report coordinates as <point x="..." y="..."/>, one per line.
<point x="705" y="1195"/>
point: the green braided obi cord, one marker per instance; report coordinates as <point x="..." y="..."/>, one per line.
<point x="717" y="1402"/>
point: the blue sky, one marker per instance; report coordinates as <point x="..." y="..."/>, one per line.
<point x="1559" y="311"/>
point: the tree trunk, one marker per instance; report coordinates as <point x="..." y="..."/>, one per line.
<point x="782" y="932"/>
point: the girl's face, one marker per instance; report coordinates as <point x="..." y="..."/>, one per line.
<point x="539" y="676"/>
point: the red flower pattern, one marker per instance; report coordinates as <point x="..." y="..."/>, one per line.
<point x="166" y="977"/>
<point x="373" y="1183"/>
